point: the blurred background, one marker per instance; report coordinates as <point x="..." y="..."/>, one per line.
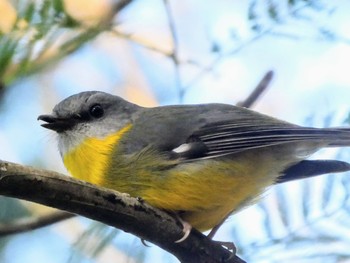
<point x="161" y="52"/>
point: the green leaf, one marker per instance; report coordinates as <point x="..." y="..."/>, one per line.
<point x="58" y="6"/>
<point x="29" y="12"/>
<point x="7" y="51"/>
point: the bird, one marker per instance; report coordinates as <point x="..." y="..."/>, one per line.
<point x="200" y="162"/>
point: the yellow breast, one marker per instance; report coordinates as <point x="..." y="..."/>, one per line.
<point x="90" y="159"/>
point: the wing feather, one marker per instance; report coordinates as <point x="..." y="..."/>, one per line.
<point x="218" y="139"/>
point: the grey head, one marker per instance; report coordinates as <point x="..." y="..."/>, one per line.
<point x="88" y="114"/>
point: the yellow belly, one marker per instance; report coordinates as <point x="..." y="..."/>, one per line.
<point x="205" y="193"/>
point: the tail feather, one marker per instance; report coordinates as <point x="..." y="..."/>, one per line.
<point x="310" y="168"/>
<point x="339" y="137"/>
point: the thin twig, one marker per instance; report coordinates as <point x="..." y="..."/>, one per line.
<point x="218" y="59"/>
<point x="174" y="54"/>
<point x="243" y="45"/>
<point x="138" y="41"/>
<point x="33" y="223"/>
<point x="120" y="5"/>
<point x="2" y="89"/>
<point x="131" y="37"/>
<point x="258" y="91"/>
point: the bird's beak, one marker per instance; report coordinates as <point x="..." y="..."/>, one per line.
<point x="55" y="123"/>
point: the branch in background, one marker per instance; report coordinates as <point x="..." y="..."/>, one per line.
<point x="120" y="5"/>
<point x="174" y="54"/>
<point x="2" y="90"/>
<point x="224" y="55"/>
<point x="111" y="208"/>
<point x="32" y="223"/>
<point x="144" y="43"/>
<point x="263" y="32"/>
<point x="258" y="91"/>
<point x="140" y="41"/>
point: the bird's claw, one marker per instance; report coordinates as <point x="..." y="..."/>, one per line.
<point x="186" y="229"/>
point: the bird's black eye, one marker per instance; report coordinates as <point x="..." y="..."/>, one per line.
<point x="96" y="111"/>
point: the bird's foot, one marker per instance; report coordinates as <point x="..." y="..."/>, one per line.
<point x="186" y="229"/>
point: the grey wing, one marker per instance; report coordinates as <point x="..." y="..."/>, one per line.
<point x="214" y="130"/>
<point x="219" y="139"/>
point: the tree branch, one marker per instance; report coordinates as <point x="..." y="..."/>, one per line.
<point x="112" y="208"/>
<point x="258" y="91"/>
<point x="174" y="54"/>
<point x="120" y="5"/>
<point x="32" y="223"/>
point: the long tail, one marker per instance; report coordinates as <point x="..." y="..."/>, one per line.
<point x="339" y="137"/>
<point x="310" y="168"/>
<point x="334" y="137"/>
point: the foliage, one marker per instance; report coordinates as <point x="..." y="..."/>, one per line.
<point x="42" y="33"/>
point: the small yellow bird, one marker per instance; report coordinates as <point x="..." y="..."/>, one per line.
<point x="202" y="162"/>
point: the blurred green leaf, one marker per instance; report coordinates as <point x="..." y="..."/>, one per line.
<point x="43" y="34"/>
<point x="93" y="241"/>
<point x="29" y="12"/>
<point x="11" y="209"/>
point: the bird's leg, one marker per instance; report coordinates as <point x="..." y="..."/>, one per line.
<point x="215" y="229"/>
<point x="229" y="245"/>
